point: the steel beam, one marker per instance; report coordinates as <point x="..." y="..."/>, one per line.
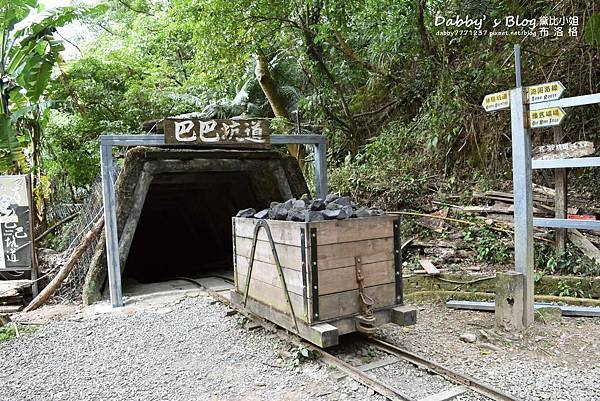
<point x="110" y="226"/>
<point x="523" y="200"/>
<point x="567" y="102"/>
<point x="108" y="189"/>
<point x="566" y="163"/>
<point x="567" y="223"/>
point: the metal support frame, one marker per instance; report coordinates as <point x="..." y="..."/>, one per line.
<point x="523" y="192"/>
<point x="523" y="166"/>
<point x="263" y="224"/>
<point x="314" y="274"/>
<point x="566" y="163"/>
<point x="398" y="262"/>
<point x="108" y="190"/>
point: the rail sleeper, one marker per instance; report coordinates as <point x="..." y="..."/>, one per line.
<point x="318" y="262"/>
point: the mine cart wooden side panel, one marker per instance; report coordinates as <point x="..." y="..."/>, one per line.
<point x="319" y="261"/>
<point x="340" y="245"/>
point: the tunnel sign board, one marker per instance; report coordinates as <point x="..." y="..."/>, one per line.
<point x="230" y="133"/>
<point x="549" y="117"/>
<point x="496" y="101"/>
<point x="15" y="227"/>
<point x="544" y="92"/>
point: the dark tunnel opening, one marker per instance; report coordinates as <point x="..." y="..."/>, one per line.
<point x="184" y="229"/>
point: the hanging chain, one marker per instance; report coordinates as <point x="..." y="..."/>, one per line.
<point x="366" y="302"/>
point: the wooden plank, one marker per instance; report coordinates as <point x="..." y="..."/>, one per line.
<point x="283" y="232"/>
<point x="350" y="230"/>
<point x="10" y="293"/>
<point x="584" y="244"/>
<point x="344" y="278"/>
<point x="446" y="395"/>
<point x="340" y="255"/>
<point x="370" y="366"/>
<point x="328" y="232"/>
<point x="328" y="256"/>
<point x="6" y="285"/>
<point x="10" y="308"/>
<point x="275" y="298"/>
<point x="346" y="303"/>
<point x="267" y="273"/>
<point x="323" y="335"/>
<point x="428" y="266"/>
<point x="289" y="256"/>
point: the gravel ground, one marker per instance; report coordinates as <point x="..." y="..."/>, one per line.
<point x="189" y="349"/>
<point x="558" y="359"/>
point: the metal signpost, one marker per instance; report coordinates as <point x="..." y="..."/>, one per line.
<point x="107" y="142"/>
<point x="532" y="107"/>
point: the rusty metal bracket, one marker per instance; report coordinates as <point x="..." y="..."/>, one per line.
<point x="365" y="322"/>
<point x="263" y="224"/>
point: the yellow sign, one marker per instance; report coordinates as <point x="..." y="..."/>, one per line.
<point x="544" y="92"/>
<point x="546" y="117"/>
<point x="496" y="101"/>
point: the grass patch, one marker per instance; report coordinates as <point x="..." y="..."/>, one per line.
<point x="10" y="331"/>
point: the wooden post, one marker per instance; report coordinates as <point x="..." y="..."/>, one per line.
<point x="560" y="197"/>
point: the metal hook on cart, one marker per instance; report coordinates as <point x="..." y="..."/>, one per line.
<point x="365" y="322"/>
<point x="263" y="224"/>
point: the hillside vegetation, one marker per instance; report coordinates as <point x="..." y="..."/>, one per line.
<point x="399" y="102"/>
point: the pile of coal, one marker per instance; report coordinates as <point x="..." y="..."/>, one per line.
<point x="333" y="207"/>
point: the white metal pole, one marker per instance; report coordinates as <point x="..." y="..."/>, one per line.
<point x="523" y="192"/>
<point x="110" y="226"/>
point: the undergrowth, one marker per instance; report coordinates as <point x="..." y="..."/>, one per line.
<point x="9" y="331"/>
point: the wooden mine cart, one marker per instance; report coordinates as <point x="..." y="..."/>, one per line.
<point x="320" y="279"/>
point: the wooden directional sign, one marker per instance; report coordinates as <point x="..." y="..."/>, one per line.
<point x="546" y="117"/>
<point x="496" y="101"/>
<point x="564" y="150"/>
<point x="234" y="133"/>
<point x="544" y="92"/>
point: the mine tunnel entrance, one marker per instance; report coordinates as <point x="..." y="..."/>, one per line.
<point x="174" y="210"/>
<point x="184" y="229"/>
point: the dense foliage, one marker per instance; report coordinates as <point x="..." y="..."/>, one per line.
<point x="399" y="103"/>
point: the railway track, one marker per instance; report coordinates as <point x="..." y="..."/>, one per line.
<point x="460" y="382"/>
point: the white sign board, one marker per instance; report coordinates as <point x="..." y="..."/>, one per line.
<point x="549" y="117"/>
<point x="544" y="92"/>
<point x="496" y="101"/>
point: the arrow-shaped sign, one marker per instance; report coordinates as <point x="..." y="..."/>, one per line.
<point x="496" y="101"/>
<point x="544" y="92"/>
<point x="546" y="117"/>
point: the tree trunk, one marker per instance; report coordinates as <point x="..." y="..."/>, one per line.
<point x="37" y="168"/>
<point x="269" y="88"/>
<point x="424" y="36"/>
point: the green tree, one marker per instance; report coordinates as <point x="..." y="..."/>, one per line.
<point x="28" y="53"/>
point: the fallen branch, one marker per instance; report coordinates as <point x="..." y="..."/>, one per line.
<point x="67" y="268"/>
<point x="467" y="222"/>
<point x="56" y="225"/>
<point x="584" y="245"/>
